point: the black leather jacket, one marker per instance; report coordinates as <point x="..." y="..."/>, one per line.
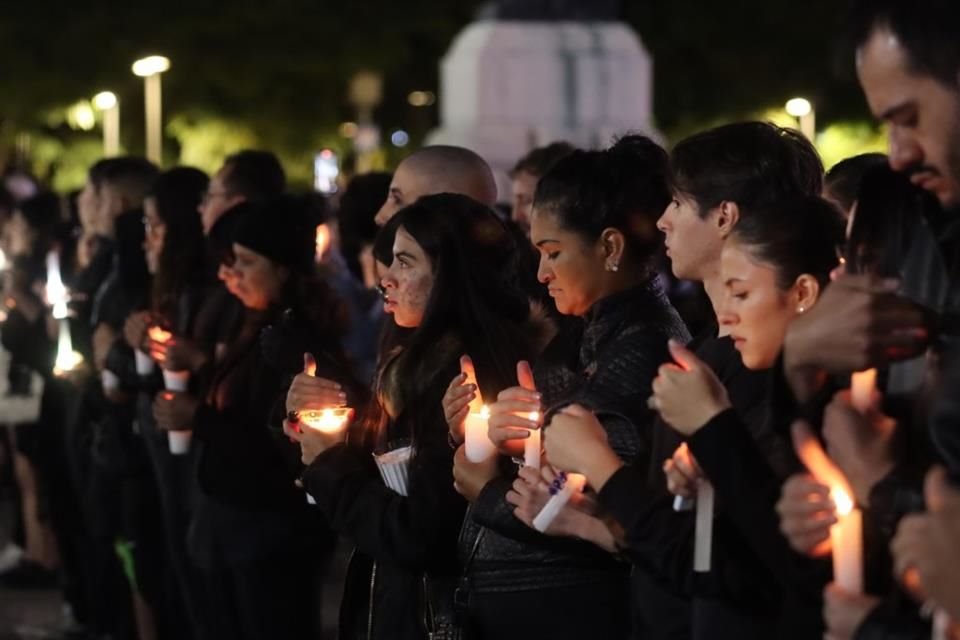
<point x="606" y="363"/>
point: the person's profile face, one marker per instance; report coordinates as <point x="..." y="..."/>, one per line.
<point x="922" y="113"/>
<point x="407" y="281"/>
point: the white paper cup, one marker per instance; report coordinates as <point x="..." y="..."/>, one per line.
<point x="179" y="441"/>
<point x="176" y="380"/>
<point x="394" y="466"/>
<point x="110" y="380"/>
<point x="145" y="363"/>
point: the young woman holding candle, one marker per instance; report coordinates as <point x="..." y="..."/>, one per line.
<point x="451" y="289"/>
<point x="174" y="253"/>
<point x="717" y="177"/>
<point x="594" y="224"/>
<point x="772" y="272"/>
<point x="251" y="532"/>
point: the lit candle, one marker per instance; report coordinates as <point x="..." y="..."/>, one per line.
<point x="55" y="292"/>
<point x="326" y="420"/>
<point x="703" y="535"/>
<point x="531" y="446"/>
<point x="846" y="539"/>
<point x="479" y="447"/>
<point x="574" y="483"/>
<point x="862" y="386"/>
<point x="322" y="241"/>
<point x="158" y="334"/>
<point x="67" y="359"/>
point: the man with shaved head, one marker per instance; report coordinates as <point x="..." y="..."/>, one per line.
<point x="438" y="169"/>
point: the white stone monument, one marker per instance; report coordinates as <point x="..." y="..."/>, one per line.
<point x="507" y="86"/>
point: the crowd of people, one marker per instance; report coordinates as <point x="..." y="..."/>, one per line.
<point x="519" y="418"/>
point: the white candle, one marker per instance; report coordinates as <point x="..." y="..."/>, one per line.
<point x="703" y="536"/>
<point x="531" y="446"/>
<point x="326" y="420"/>
<point x="479" y="447"/>
<point x="941" y="625"/>
<point x="67" y="358"/>
<point x="574" y="484"/>
<point x="846" y="538"/>
<point x="862" y="386"/>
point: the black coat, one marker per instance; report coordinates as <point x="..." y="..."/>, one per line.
<point x="399" y="541"/>
<point x="249" y="506"/>
<point x="606" y="363"/>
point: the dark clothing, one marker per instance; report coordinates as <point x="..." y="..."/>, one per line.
<point x="405" y="545"/>
<point x="741" y="596"/>
<point x="924" y="252"/>
<point x="606" y="363"/>
<point x="250" y="522"/>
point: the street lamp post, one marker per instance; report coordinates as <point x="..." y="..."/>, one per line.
<point x="106" y="102"/>
<point x="149" y="69"/>
<point x="802" y="109"/>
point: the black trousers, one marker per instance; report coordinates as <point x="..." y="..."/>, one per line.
<point x="272" y="598"/>
<point x="557" y="613"/>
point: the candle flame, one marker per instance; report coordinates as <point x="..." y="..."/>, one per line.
<point x="842" y="500"/>
<point x="67" y="359"/>
<point x="326" y="420"/>
<point x="485" y="412"/>
<point x="158" y="334"/>
<point x="534" y="416"/>
<point x="322" y="240"/>
<point x="55" y="293"/>
<point x="825" y="471"/>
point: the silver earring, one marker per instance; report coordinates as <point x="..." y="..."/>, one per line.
<point x="612" y="266"/>
<point x="800" y="309"/>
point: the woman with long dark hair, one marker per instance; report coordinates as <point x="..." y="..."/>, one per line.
<point x="451" y="291"/>
<point x="594" y="224"/>
<point x="173" y="248"/>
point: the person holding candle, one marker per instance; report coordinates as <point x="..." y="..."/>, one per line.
<point x="719" y="177"/>
<point x="450" y="290"/>
<point x="593" y="223"/>
<point x="770" y="271"/>
<point x="884" y="447"/>
<point x="250" y="524"/>
<point x="174" y="255"/>
<point x="28" y="236"/>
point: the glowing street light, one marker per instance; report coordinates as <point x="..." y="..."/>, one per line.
<point x="106" y="102"/>
<point x="802" y="109"/>
<point x="149" y="69"/>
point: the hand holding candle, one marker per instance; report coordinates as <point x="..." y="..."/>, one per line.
<point x="846" y="536"/>
<point x="310" y="392"/>
<point x="563" y="488"/>
<point x="466" y="415"/>
<point x="510" y="424"/>
<point x="925" y="547"/>
<point x="532" y="445"/>
<point x="322" y="428"/>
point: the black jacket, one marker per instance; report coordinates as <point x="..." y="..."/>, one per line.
<point x="606" y="363"/>
<point x="249" y="505"/>
<point x="400" y="542"/>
